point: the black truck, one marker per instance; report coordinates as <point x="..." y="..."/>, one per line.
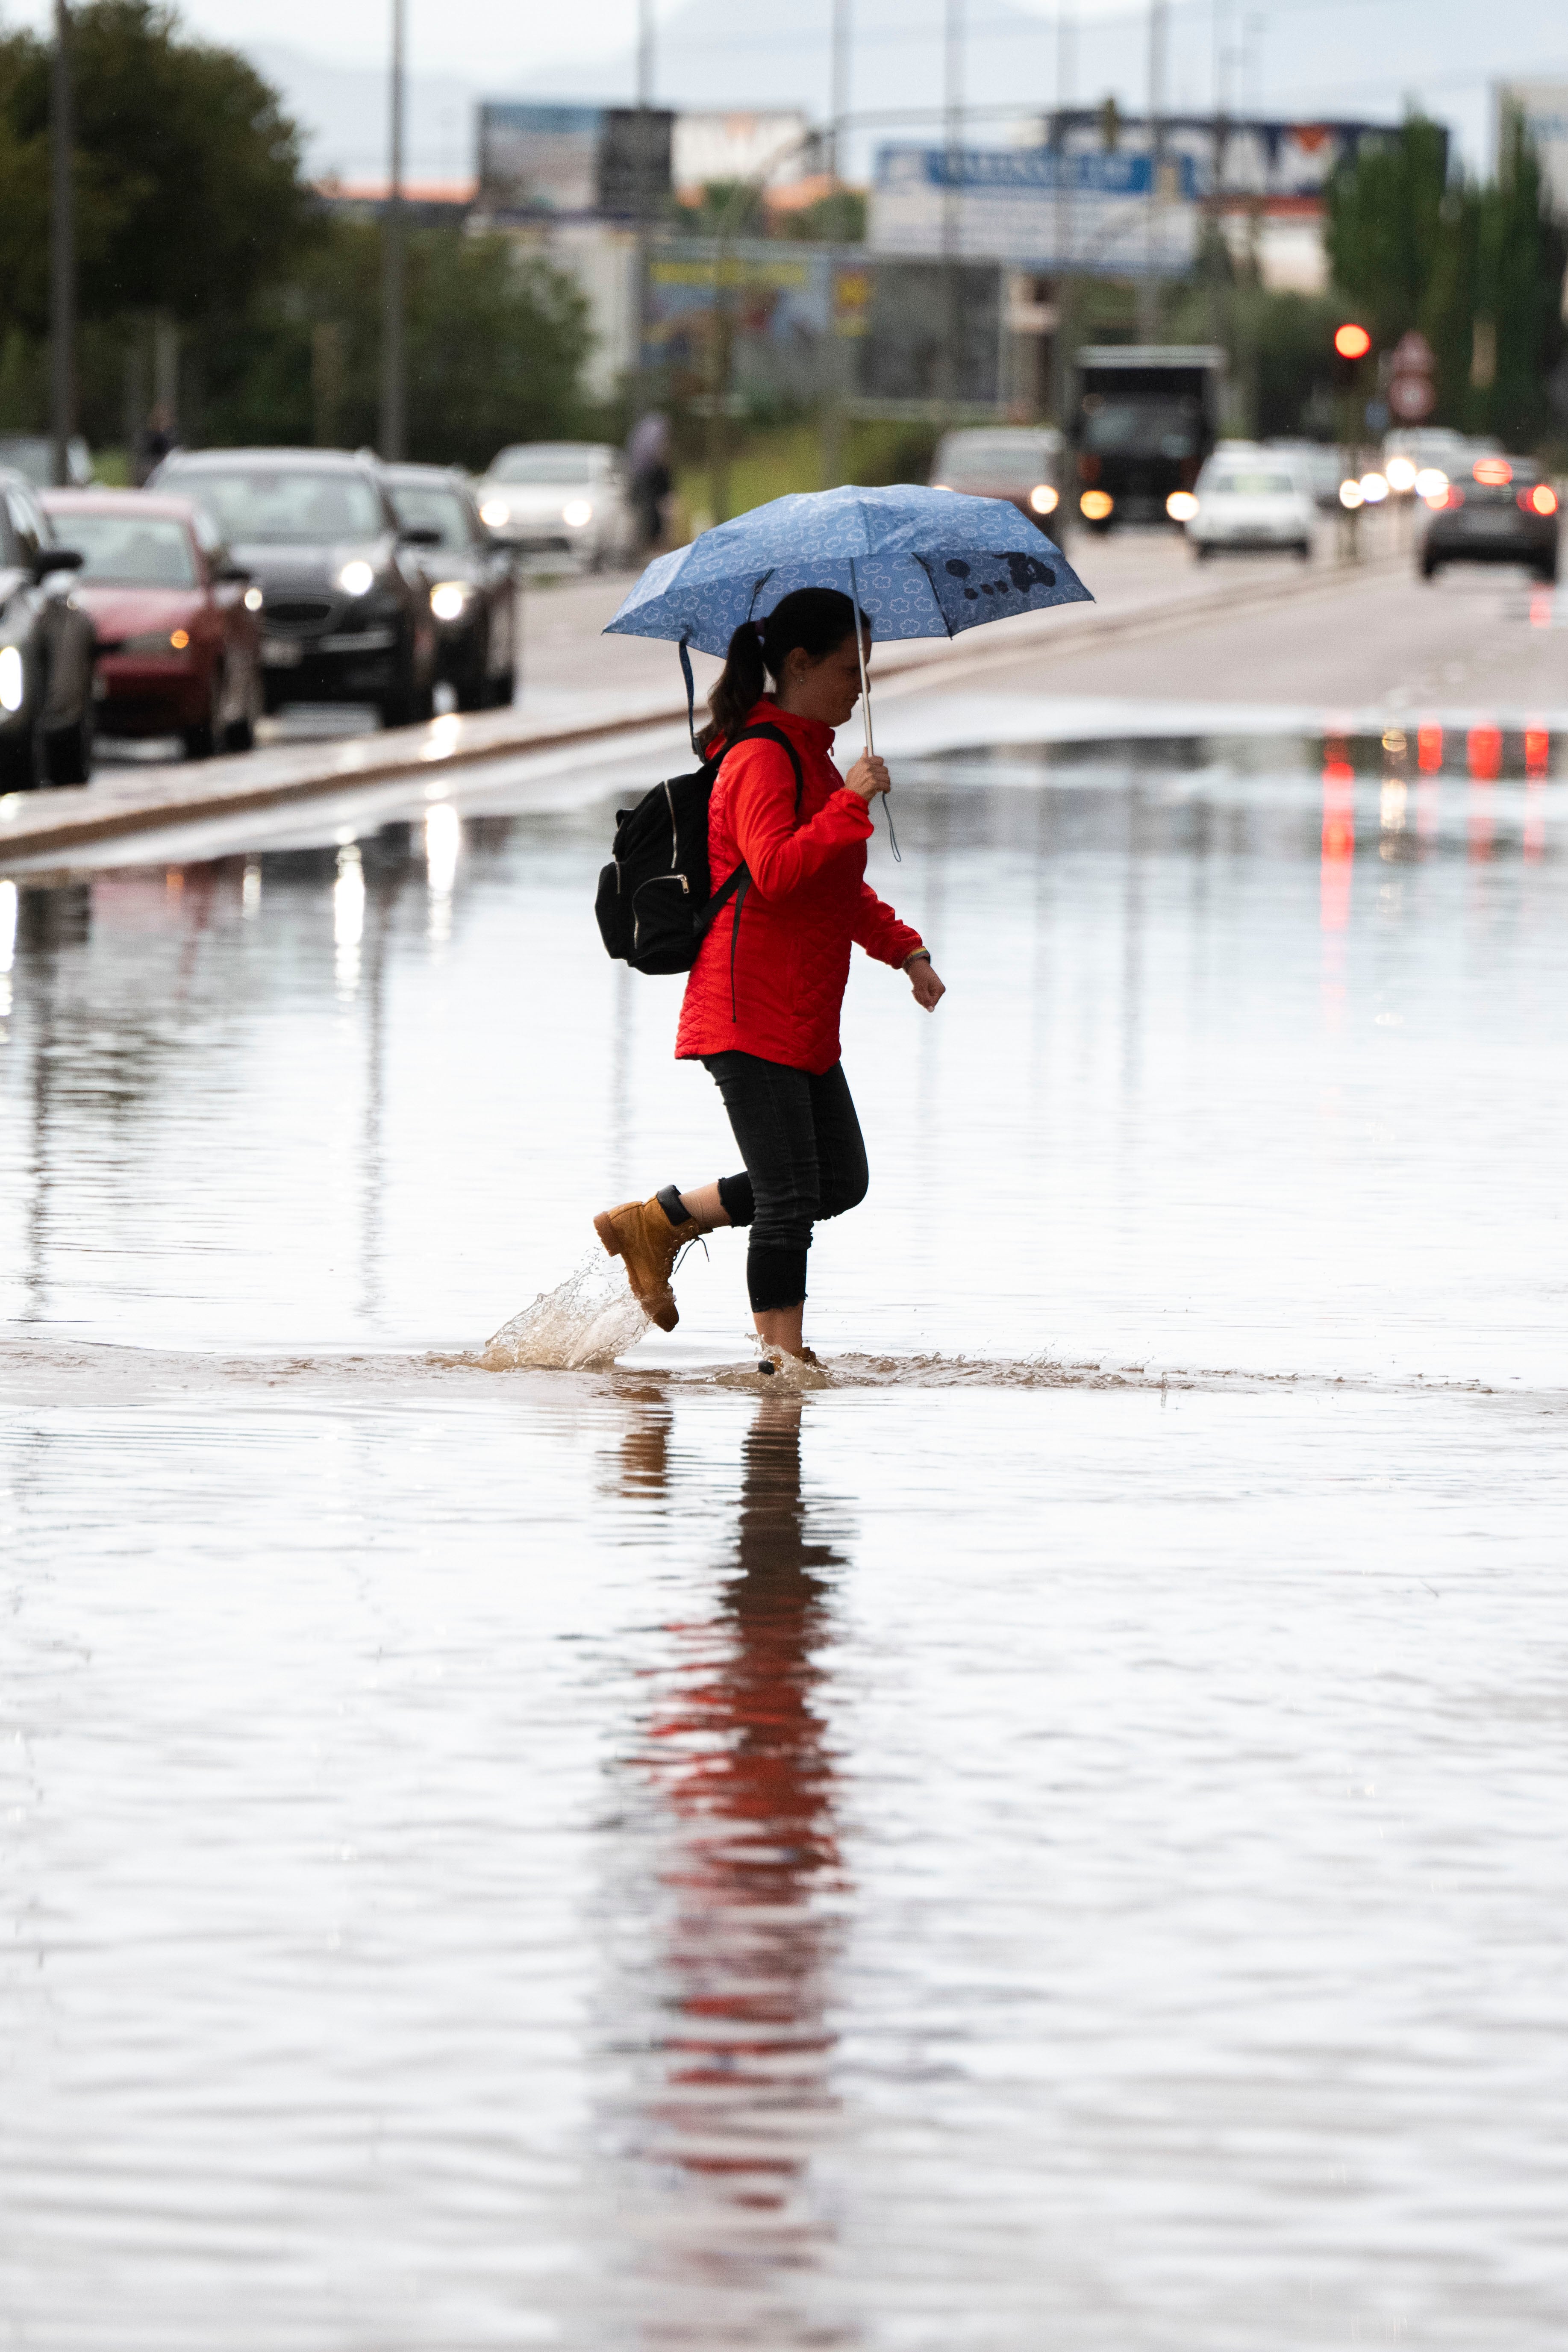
<point x="1144" y="417"/>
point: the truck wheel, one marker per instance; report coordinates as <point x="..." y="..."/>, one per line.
<point x="1430" y="567"/>
<point x="1546" y="570"/>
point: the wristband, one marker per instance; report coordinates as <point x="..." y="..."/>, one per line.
<point x="915" y="955"/>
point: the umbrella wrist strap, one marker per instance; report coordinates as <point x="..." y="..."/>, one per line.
<point x="690" y="696"/>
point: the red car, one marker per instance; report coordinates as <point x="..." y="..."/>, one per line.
<point x="179" y="644"/>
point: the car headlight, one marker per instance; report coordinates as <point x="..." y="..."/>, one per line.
<point x="1400" y="475"/>
<point x="253" y="599"/>
<point x="1043" y="498"/>
<point x="1352" y="495"/>
<point x="358" y="578"/>
<point x="448" y="599"/>
<point x="1373" y="488"/>
<point x="494" y="512"/>
<point x="1096" y="505"/>
<point x="1432" y="484"/>
<point x="158" y="641"/>
<point x="13" y="678"/>
<point x="1180" y="506"/>
<point x="575" y="513"/>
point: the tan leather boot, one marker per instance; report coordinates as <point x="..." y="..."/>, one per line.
<point x="640" y="1235"/>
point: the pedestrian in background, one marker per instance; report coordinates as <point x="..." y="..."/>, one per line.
<point x="648" y="463"/>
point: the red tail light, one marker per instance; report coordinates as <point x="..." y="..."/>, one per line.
<point x="1540" y="501"/>
<point x="1454" y="496"/>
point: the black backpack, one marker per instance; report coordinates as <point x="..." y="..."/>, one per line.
<point x="656" y="898"/>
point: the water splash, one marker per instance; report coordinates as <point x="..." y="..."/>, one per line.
<point x="582" y="1325"/>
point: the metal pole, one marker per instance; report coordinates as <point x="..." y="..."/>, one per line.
<point x="394" y="360"/>
<point x="1149" y="290"/>
<point x="838" y="97"/>
<point x="639" y="264"/>
<point x="62" y="252"/>
<point x="953" y="109"/>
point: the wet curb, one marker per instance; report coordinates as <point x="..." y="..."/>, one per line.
<point x="59" y="817"/>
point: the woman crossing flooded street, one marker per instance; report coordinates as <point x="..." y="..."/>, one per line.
<point x="763" y="1003"/>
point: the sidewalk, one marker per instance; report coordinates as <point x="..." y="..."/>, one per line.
<point x="579" y="685"/>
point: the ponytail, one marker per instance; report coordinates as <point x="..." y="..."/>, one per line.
<point x="817" y="620"/>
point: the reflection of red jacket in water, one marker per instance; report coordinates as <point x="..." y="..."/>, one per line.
<point x="809" y="902"/>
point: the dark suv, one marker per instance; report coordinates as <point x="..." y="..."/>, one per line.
<point x="47" y="649"/>
<point x="345" y="611"/>
<point x="1501" y="510"/>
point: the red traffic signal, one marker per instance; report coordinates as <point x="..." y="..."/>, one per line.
<point x="1351" y="342"/>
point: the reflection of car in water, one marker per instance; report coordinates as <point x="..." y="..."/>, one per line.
<point x="1004" y="462"/>
<point x="564" y="498"/>
<point x="179" y="651"/>
<point x="1144" y="418"/>
<point x="47" y="647"/>
<point x="346" y="612"/>
<point x="472" y="585"/>
<point x="1249" y="499"/>
<point x="1501" y="510"/>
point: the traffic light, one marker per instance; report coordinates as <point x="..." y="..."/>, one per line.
<point x="1351" y="344"/>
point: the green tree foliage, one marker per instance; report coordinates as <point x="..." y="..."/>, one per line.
<point x="192" y="204"/>
<point x="189" y="194"/>
<point x="495" y="345"/>
<point x="1477" y="267"/>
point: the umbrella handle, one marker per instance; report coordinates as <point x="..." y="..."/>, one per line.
<point x="860" y="649"/>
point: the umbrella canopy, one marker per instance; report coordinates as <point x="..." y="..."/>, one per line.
<point x="921" y="563"/>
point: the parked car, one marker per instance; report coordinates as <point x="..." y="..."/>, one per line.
<point x="1250" y="499"/>
<point x="1504" y="510"/>
<point x="47" y="649"/>
<point x="179" y="648"/>
<point x="32" y="455"/>
<point x="565" y="498"/>
<point x="472" y="582"/>
<point x="345" y="610"/>
<point x="1025" y="465"/>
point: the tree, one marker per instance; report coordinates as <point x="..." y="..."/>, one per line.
<point x="1477" y="266"/>
<point x="190" y="195"/>
<point x="496" y="342"/>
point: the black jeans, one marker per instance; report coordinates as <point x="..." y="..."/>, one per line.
<point x="805" y="1158"/>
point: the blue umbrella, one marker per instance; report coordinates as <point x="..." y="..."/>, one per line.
<point x="918" y="562"/>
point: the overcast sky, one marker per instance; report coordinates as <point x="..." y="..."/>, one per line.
<point x="1352" y="58"/>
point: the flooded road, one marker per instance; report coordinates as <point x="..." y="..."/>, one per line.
<point x="1052" y="1838"/>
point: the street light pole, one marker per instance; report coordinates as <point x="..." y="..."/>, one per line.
<point x="394" y="353"/>
<point x="953" y="108"/>
<point x="639" y="260"/>
<point x="62" y="251"/>
<point x="1149" y="291"/>
<point x="838" y="88"/>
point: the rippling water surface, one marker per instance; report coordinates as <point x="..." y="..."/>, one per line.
<point x="1056" y="1839"/>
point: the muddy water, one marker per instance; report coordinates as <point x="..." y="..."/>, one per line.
<point x="1053" y="1838"/>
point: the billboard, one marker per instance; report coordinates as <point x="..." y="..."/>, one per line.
<point x="573" y="159"/>
<point x="771" y="145"/>
<point x="1084" y="201"/>
<point x="538" y="159"/>
<point x="1037" y="209"/>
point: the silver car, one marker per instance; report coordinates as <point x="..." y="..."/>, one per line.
<point x="561" y="498"/>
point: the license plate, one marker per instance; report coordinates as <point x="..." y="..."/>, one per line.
<point x="282" y="653"/>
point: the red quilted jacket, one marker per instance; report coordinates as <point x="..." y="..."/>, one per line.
<point x="808" y="904"/>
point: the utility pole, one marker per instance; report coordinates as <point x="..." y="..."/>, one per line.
<point x="639" y="261"/>
<point x="951" y="193"/>
<point x="62" y="251"/>
<point x="838" y="90"/>
<point x="394" y="353"/>
<point x="1149" y="290"/>
<point x="1062" y="341"/>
